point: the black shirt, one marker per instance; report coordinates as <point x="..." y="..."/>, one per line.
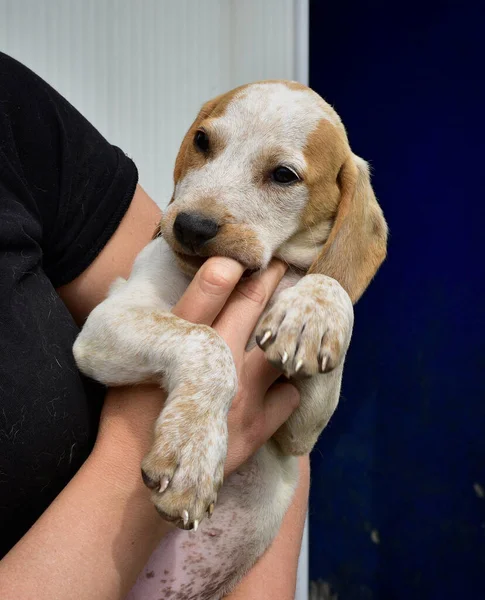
<point x="63" y="191"/>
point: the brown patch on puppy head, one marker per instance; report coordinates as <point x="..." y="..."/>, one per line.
<point x="188" y="156"/>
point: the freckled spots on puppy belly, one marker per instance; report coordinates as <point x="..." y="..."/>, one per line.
<point x="197" y="566"/>
<point x="203" y="563"/>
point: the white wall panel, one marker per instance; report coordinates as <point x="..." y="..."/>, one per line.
<point x="262" y="40"/>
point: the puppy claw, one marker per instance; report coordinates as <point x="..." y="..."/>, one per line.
<point x="185" y="517"/>
<point x="148" y="481"/>
<point x="284" y="358"/>
<point x="164" y="484"/>
<point x="299" y="365"/>
<point x="210" y="510"/>
<point x="323" y="364"/>
<point x="265" y="337"/>
<point x="196" y="525"/>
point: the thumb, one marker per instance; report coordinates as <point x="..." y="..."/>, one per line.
<point x="280" y="401"/>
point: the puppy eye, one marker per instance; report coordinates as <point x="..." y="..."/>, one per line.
<point x="284" y="175"/>
<point x="201" y="140"/>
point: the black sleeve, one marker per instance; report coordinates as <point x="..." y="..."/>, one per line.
<point x="63" y="191"/>
<point x="62" y="170"/>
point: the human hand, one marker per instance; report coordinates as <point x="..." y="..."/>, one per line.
<point x="217" y="298"/>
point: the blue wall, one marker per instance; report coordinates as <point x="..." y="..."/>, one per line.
<point x="407" y="444"/>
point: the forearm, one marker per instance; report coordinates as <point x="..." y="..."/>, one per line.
<point x="95" y="538"/>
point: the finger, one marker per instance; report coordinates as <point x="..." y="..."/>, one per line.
<point x="279" y="403"/>
<point x="209" y="290"/>
<point x="260" y="370"/>
<point x="241" y="313"/>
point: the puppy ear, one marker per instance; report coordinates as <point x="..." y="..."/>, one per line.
<point x="357" y="244"/>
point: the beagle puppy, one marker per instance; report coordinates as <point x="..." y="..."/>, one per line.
<point x="264" y="171"/>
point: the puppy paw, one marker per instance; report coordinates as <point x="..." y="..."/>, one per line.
<point x="308" y="329"/>
<point x="185" y="467"/>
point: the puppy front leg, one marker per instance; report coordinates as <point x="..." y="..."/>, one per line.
<point x="122" y="345"/>
<point x="306" y="334"/>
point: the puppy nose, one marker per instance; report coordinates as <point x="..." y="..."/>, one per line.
<point x="193" y="230"/>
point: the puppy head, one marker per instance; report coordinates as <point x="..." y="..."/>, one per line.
<point x="266" y="171"/>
